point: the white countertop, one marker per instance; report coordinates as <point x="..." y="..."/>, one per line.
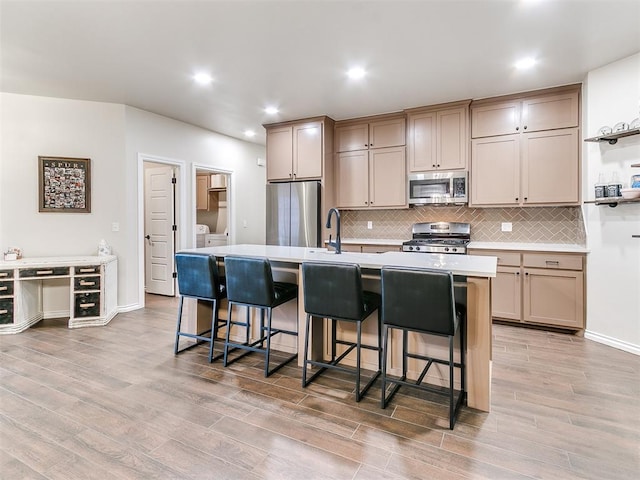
<point x="36" y="262"/>
<point x="470" y="265"/>
<point x="530" y="247"/>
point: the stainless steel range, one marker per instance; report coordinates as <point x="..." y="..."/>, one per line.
<point x="439" y="237"/>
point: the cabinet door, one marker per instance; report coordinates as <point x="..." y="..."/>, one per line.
<point x="279" y="153"/>
<point x="495" y="171"/>
<point x="387" y="133"/>
<point x="307" y="151"/>
<point x="554" y="297"/>
<point x="495" y="119"/>
<point x="352" y="137"/>
<point x="387" y="178"/>
<point x="202" y="192"/>
<point x="452" y="139"/>
<point x="351" y="179"/>
<point x="421" y="145"/>
<point x="551" y="170"/>
<point x="506" y="299"/>
<point x="550" y="112"/>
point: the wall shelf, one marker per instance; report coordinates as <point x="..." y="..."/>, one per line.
<point x="612" y="138"/>
<point x="613" y="202"/>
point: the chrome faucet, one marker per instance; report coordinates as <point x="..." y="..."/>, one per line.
<point x="337" y="244"/>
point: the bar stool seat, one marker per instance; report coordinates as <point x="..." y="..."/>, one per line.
<point x="198" y="278"/>
<point x="422" y="301"/>
<point x="250" y="283"/>
<point x="334" y="291"/>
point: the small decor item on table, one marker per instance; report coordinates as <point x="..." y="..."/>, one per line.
<point x="103" y="248"/>
<point x="13" y="253"/>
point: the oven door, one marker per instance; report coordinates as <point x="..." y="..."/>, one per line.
<point x="437" y="188"/>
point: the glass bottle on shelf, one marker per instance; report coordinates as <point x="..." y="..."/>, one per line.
<point x="614" y="187"/>
<point x="601" y="187"/>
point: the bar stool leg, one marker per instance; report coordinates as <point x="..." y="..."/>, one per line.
<point x="214" y="329"/>
<point x="451" y="385"/>
<point x="358" y="338"/>
<point x="306" y="351"/>
<point x="385" y="334"/>
<point x="226" y="343"/>
<point x="175" y="350"/>
<point x="267" y="353"/>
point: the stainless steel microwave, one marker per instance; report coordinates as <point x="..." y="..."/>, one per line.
<point x="440" y="188"/>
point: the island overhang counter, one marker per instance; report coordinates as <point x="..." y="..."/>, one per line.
<point x="477" y="269"/>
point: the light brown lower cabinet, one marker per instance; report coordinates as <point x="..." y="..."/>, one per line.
<point x="538" y="288"/>
<point x="369" y="248"/>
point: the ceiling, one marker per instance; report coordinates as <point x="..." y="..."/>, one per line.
<point x="294" y="54"/>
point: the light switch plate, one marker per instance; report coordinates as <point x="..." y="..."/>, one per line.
<point x="369" y="225"/>
<point x="506" y="226"/>
<point x="115" y="227"/>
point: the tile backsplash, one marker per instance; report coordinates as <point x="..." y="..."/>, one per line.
<point x="529" y="225"/>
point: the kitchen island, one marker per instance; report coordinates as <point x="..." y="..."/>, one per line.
<point x="477" y="269"/>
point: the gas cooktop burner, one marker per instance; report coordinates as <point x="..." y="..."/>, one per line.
<point x="439" y="237"/>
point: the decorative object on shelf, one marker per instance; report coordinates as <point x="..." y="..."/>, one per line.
<point x="635" y="123"/>
<point x="103" y="248"/>
<point x="601" y="187"/>
<point x="629" y="193"/>
<point x="606" y="130"/>
<point x="64" y="184"/>
<point x="614" y="186"/>
<point x="620" y="127"/>
<point x="13" y="253"/>
<point x="635" y="181"/>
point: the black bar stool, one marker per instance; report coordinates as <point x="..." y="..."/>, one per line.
<point x="334" y="291"/>
<point x="250" y="283"/>
<point x="422" y="301"/>
<point x="198" y="278"/>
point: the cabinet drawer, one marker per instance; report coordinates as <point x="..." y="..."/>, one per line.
<point x="6" y="311"/>
<point x="86" y="283"/>
<point x="44" y="272"/>
<point x="6" y="274"/>
<point x="6" y="288"/>
<point x="87" y="269"/>
<point x="552" y="260"/>
<point x="87" y="305"/>
<point x="507" y="259"/>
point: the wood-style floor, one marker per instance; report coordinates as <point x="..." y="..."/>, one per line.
<point x="115" y="403"/>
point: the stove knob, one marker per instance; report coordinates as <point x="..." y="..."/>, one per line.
<point x="410" y="248"/>
<point x="446" y="249"/>
<point x="417" y="248"/>
<point x="454" y="249"/>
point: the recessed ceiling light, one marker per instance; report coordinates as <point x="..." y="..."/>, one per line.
<point x="203" y="78"/>
<point x="356" y="73"/>
<point x="271" y="110"/>
<point x="525" y="63"/>
<point x="249" y="133"/>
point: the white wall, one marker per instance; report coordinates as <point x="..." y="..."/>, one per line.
<point x="112" y="136"/>
<point x="612" y="95"/>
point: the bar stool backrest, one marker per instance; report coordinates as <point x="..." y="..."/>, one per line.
<point x="198" y="275"/>
<point x="333" y="290"/>
<point x="249" y="281"/>
<point x="419" y="299"/>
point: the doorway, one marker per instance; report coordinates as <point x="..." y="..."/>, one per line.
<point x="160" y="223"/>
<point x="212" y="207"/>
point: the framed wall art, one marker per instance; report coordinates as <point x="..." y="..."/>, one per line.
<point x="64" y="184"/>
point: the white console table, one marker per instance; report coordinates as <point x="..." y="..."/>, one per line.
<point x="93" y="290"/>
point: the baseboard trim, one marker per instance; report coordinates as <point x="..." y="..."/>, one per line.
<point x="612" y="342"/>
<point x="129" y="308"/>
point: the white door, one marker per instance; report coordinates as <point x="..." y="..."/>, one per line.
<point x="159" y="229"/>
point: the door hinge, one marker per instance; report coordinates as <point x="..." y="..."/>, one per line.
<point x="173" y="180"/>
<point x="174" y="274"/>
<point x="174" y="227"/>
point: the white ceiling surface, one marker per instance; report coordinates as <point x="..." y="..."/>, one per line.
<point x="293" y="54"/>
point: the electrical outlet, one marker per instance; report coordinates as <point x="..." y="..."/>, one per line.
<point x="369" y="225"/>
<point x="115" y="227"/>
<point x="506" y="226"/>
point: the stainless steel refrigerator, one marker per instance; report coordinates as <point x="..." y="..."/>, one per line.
<point x="293" y="214"/>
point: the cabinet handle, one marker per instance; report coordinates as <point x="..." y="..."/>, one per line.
<point x="82" y="282"/>
<point x="2" y="289"/>
<point x="517" y="274"/>
<point x="87" y="305"/>
<point x="86" y="270"/>
<point x="635" y="236"/>
<point x="517" y="128"/>
<point x="525" y="127"/>
<point x="527" y="274"/>
<point x="552" y="262"/>
<point x="434" y="166"/>
<point x="525" y="199"/>
<point x="2" y="312"/>
<point x="44" y="272"/>
<point x="516" y="199"/>
<point x="4" y="274"/>
<point x="366" y="145"/>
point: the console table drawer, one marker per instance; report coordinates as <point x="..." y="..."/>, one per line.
<point x="44" y="272"/>
<point x="6" y="288"/>
<point x="6" y="311"/>
<point x="86" y="269"/>
<point x="87" y="305"/>
<point x="86" y="283"/>
<point x="6" y="274"/>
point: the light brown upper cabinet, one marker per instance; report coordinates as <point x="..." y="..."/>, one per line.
<point x="202" y="191"/>
<point x="371" y="179"/>
<point x="362" y="135"/>
<point x="296" y="151"/>
<point x="538" y="163"/>
<point x="438" y="137"/>
<point x="532" y="114"/>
